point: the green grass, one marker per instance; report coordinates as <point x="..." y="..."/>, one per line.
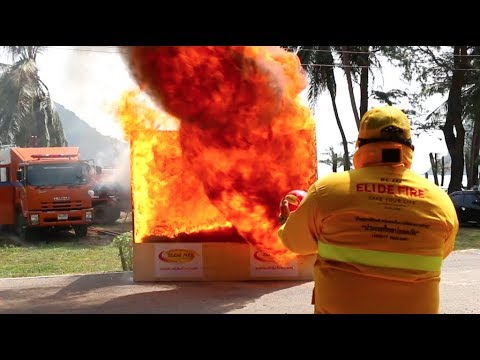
<point x="57" y="259"/>
<point x="468" y="238"/>
<point x="71" y="257"/>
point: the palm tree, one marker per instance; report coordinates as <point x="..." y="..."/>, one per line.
<point x="319" y="64"/>
<point x="345" y="55"/>
<point x="26" y="110"/>
<point x="333" y="159"/>
<point x="364" y="62"/>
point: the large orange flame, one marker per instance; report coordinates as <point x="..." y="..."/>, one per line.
<point x="168" y="197"/>
<point x="244" y="139"/>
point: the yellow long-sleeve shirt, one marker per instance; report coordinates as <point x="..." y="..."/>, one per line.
<point x="387" y="210"/>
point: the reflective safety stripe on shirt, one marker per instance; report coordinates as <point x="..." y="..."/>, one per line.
<point x="379" y="258"/>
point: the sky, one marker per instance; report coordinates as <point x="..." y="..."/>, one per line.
<point x="90" y="80"/>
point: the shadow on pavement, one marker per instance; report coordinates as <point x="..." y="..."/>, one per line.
<point x="196" y="298"/>
<point x="116" y="293"/>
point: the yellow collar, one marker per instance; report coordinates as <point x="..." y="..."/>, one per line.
<point x="371" y="155"/>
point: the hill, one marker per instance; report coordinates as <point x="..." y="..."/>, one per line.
<point x="105" y="150"/>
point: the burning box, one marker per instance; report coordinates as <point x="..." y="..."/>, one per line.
<point x="209" y="261"/>
<point x="180" y="233"/>
<point x="182" y="236"/>
<point x="208" y="174"/>
<point x="215" y="255"/>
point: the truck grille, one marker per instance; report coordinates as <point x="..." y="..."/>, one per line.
<point x="70" y="219"/>
<point x="61" y="205"/>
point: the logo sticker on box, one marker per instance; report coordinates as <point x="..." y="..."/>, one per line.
<point x="178" y="260"/>
<point x="263" y="264"/>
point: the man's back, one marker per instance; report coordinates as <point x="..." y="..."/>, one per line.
<point x="390" y="212"/>
<point x="380" y="231"/>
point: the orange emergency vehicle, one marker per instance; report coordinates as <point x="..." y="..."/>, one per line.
<point x="44" y="188"/>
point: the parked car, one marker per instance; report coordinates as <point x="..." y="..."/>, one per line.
<point x="467" y="205"/>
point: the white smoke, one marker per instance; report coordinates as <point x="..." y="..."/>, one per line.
<point x="118" y="171"/>
<point x="88" y="81"/>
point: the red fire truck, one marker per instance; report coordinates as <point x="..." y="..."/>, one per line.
<point x="44" y="188"/>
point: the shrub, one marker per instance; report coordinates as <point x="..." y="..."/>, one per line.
<point x="124" y="243"/>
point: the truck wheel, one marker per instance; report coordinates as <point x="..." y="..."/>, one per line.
<point x="22" y="230"/>
<point x="105" y="215"/>
<point x="100" y="214"/>
<point x="80" y="230"/>
<point x="113" y="215"/>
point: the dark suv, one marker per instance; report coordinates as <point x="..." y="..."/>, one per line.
<point x="467" y="205"/>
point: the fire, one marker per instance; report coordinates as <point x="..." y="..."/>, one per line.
<point x="244" y="140"/>
<point x="168" y="197"/>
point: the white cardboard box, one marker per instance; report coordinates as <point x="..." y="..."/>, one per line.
<point x="213" y="261"/>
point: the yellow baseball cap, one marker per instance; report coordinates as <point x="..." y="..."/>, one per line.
<point x="382" y="118"/>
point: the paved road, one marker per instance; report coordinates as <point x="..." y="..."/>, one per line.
<point x="116" y="293"/>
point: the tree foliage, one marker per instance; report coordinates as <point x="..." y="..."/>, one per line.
<point x="26" y="109"/>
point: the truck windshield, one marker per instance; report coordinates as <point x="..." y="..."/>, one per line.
<point x="57" y="174"/>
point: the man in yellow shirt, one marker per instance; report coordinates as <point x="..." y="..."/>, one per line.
<point x="380" y="230"/>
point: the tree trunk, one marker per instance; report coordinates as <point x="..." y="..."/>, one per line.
<point x="364" y="61"/>
<point x="472" y="170"/>
<point x="332" y="88"/>
<point x="467" y="167"/>
<point x="453" y="121"/>
<point x="334" y="162"/>
<point x="443" y="170"/>
<point x="433" y="162"/>
<point x="346" y="160"/>
<point x="348" y="74"/>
